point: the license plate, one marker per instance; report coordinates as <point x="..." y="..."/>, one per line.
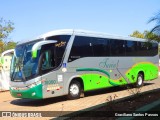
<point x="19" y="94"/>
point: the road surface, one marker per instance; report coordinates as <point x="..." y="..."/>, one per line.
<point x="61" y="105"/>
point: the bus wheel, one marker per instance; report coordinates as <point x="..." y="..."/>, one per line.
<point x="140" y="80"/>
<point x="74" y="90"/>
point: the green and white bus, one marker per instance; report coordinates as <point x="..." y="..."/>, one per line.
<point x="71" y="62"/>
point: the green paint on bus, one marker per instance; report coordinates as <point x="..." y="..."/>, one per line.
<point x="102" y="79"/>
<point x="33" y="93"/>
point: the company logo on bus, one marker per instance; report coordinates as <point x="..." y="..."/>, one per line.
<point x="107" y="63"/>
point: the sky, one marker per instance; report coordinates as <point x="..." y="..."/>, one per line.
<point x="32" y="18"/>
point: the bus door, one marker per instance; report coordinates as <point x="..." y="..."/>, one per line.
<point x="48" y="71"/>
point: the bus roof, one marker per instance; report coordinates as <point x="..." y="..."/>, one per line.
<point x="87" y="33"/>
<point x="82" y="33"/>
<point x="7" y="52"/>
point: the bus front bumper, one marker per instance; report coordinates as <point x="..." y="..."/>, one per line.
<point x="31" y="93"/>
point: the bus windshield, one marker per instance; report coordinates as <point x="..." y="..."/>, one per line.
<point x="23" y="66"/>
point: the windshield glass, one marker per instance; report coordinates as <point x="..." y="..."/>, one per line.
<point x="48" y="57"/>
<point x="23" y="66"/>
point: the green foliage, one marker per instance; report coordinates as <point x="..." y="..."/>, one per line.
<point x="146" y="35"/>
<point x="6" y="27"/>
<point x="156" y="28"/>
<point x="9" y="45"/>
<point x="152" y="36"/>
<point x="137" y="34"/>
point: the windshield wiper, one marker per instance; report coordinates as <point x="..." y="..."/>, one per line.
<point x="23" y="77"/>
<point x="12" y="77"/>
<point x="18" y="65"/>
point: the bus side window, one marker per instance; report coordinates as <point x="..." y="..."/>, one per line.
<point x="47" y="60"/>
<point x="59" y="49"/>
<point x="117" y="47"/>
<point x="82" y="47"/>
<point x="153" y="49"/>
<point x="101" y="47"/>
<point x="131" y="48"/>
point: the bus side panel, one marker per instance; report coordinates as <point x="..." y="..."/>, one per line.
<point x="101" y="72"/>
<point x="95" y="81"/>
<point x="149" y="69"/>
<point x="52" y="84"/>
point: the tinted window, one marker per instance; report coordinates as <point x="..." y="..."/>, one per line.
<point x="48" y="61"/>
<point x="138" y="48"/>
<point x="117" y="47"/>
<point x="142" y="49"/>
<point x="131" y="48"/>
<point x="82" y="47"/>
<point x="108" y="51"/>
<point x="101" y="47"/>
<point x="154" y="49"/>
<point x="60" y="46"/>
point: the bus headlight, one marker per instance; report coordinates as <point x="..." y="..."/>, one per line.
<point x="33" y="94"/>
<point x="64" y="69"/>
<point x="32" y="85"/>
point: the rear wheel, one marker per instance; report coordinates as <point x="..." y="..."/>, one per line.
<point x="74" y="90"/>
<point x="140" y="80"/>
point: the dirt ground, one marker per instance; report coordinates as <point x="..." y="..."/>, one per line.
<point x="61" y="105"/>
<point x="107" y="111"/>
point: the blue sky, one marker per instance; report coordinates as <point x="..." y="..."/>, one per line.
<point x="34" y="17"/>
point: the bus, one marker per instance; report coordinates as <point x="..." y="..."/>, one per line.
<point x="5" y="61"/>
<point x="70" y="62"/>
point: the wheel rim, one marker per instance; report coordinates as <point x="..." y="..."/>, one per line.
<point x="140" y="80"/>
<point x="74" y="89"/>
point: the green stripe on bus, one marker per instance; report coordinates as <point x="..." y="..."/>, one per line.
<point x="113" y="83"/>
<point x="93" y="69"/>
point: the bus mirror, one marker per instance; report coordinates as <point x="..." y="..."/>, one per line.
<point x="38" y="45"/>
<point x="34" y="54"/>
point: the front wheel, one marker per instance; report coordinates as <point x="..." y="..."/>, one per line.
<point x="140" y="80"/>
<point x="74" y="90"/>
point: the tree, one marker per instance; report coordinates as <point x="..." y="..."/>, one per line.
<point x="151" y="36"/>
<point x="10" y="45"/>
<point x="145" y="35"/>
<point x="156" y="28"/>
<point x="137" y="34"/>
<point x="6" y="27"/>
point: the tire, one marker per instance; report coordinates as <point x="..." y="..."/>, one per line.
<point x="75" y="90"/>
<point x="140" y="80"/>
